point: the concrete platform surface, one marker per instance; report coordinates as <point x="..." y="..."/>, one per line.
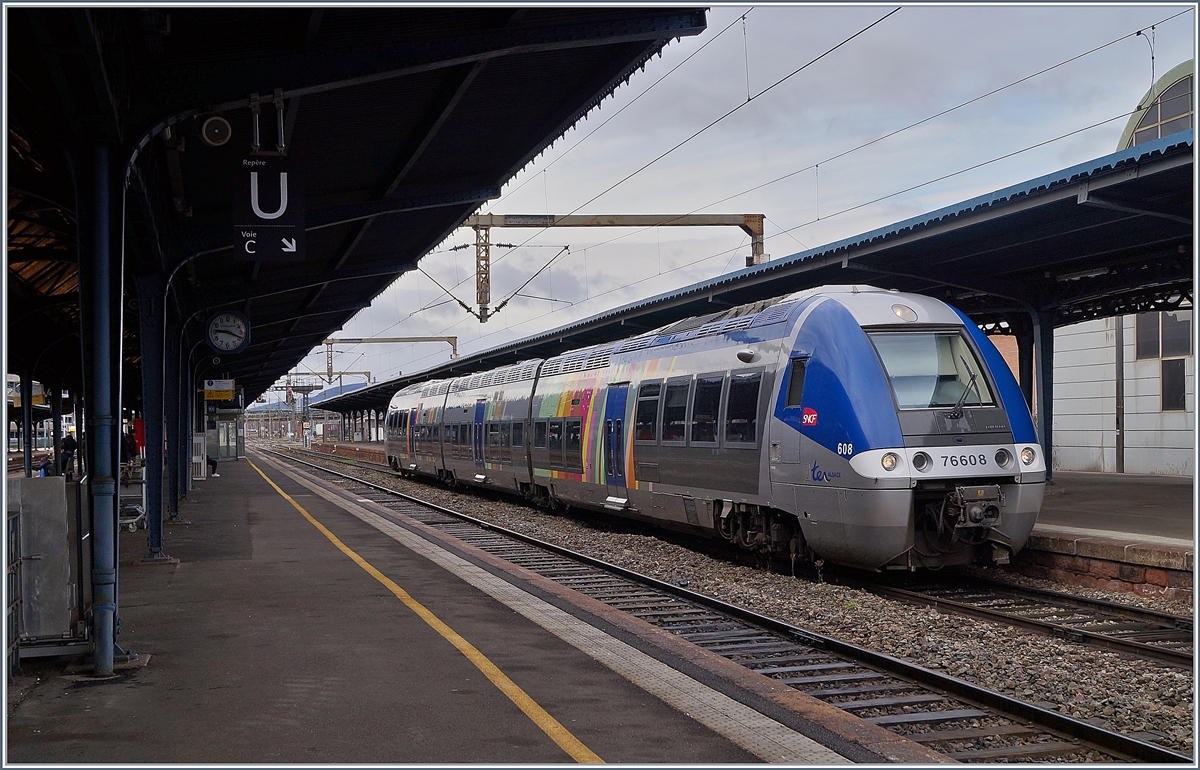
<point x="1138" y="505"/>
<point x="270" y="642"/>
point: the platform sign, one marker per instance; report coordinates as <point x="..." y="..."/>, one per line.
<point x="218" y="390"/>
<point x="268" y="210"/>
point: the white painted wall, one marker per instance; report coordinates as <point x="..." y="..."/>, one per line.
<point x="1156" y="442"/>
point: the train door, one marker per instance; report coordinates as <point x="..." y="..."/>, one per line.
<point x="791" y="417"/>
<point x="614" y="440"/>
<point x="477" y="432"/>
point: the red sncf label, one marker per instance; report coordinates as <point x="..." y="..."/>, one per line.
<point x="808" y="416"/>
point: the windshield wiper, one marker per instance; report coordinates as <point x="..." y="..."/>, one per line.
<point x="957" y="412"/>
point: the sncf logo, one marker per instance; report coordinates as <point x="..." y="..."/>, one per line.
<point x="808" y="416"/>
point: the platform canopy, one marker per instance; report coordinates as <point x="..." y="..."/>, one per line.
<point x="1108" y="237"/>
<point x="396" y="124"/>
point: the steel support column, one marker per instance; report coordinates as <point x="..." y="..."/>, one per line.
<point x="56" y="425"/>
<point x="171" y="417"/>
<point x="1119" y="356"/>
<point x="151" y="320"/>
<point x="103" y="417"/>
<point x="1043" y="336"/>
<point x="27" y="419"/>
<point x="80" y="451"/>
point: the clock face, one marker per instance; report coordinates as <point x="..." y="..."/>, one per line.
<point x="228" y="332"/>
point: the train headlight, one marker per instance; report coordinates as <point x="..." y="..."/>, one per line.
<point x="1003" y="458"/>
<point x="1028" y="455"/>
<point x="890" y="461"/>
<point x="922" y="461"/>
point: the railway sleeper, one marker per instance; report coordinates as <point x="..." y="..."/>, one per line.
<point x="972" y="733"/>
<point x="902" y="700"/>
<point x="1048" y="749"/>
<point x="927" y="717"/>
<point x="864" y="690"/>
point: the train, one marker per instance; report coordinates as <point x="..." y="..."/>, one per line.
<point x="847" y="425"/>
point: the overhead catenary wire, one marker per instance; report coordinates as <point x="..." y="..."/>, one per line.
<point x="735" y="109"/>
<point x="789" y="231"/>
<point x="848" y="209"/>
<point x="629" y="104"/>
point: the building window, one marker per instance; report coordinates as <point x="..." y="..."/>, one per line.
<point x="1163" y="335"/>
<point x="1167" y="335"/>
<point x="1170" y="113"/>
<point x="1174" y="392"/>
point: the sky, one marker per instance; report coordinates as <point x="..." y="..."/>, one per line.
<point x="820" y="138"/>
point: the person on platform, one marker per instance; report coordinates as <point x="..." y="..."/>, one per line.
<point x="128" y="447"/>
<point x="212" y="467"/>
<point x="67" y="455"/>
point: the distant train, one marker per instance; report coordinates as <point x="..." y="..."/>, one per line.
<point x="846" y="423"/>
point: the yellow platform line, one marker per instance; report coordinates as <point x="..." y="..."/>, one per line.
<point x="548" y="724"/>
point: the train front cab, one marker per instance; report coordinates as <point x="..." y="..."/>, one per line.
<point x="884" y="471"/>
<point x="412" y="440"/>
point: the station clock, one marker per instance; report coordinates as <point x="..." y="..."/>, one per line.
<point x="228" y="332"/>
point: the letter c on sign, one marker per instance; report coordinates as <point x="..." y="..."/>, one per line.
<point x="248" y="249"/>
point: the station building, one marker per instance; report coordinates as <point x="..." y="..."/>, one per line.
<point x="1124" y="387"/>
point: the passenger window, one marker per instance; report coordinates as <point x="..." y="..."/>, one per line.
<point x="518" y="434"/>
<point x="539" y="434"/>
<point x="646" y="425"/>
<point x="674" y="420"/>
<point x="706" y="404"/>
<point x="619" y="436"/>
<point x="555" y="440"/>
<point x="795" y="391"/>
<point x="506" y="442"/>
<point x="741" y="409"/>
<point x="575" y="445"/>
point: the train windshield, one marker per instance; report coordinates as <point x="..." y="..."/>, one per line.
<point x="928" y="370"/>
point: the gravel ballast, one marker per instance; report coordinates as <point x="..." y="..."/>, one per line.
<point x="1142" y="698"/>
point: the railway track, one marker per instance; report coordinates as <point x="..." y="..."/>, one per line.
<point x="962" y="720"/>
<point x="1132" y="630"/>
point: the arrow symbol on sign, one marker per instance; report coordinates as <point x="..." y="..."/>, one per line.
<point x="289" y="245"/>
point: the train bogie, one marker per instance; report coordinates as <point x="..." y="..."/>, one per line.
<point x="849" y="424"/>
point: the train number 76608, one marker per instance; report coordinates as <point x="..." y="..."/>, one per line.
<point x="959" y="461"/>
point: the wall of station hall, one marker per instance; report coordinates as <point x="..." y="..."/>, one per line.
<point x="1159" y="378"/>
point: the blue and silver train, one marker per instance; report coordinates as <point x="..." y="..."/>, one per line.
<point x="848" y="424"/>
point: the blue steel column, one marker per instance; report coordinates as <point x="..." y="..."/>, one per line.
<point x="56" y="423"/>
<point x="27" y="419"/>
<point x="81" y="450"/>
<point x="102" y="428"/>
<point x="151" y="319"/>
<point x="171" y="417"/>
<point x="1043" y="334"/>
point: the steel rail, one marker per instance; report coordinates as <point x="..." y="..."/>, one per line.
<point x="1089" y="736"/>
<point x="1166" y="623"/>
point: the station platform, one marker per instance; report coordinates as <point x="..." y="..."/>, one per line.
<point x="300" y="624"/>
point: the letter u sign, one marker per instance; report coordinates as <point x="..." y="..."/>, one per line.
<point x="283" y="201"/>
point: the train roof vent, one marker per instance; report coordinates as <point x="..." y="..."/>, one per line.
<point x="774" y="314"/>
<point x="637" y="343"/>
<point x="573" y="365"/>
<point x="552" y="367"/>
<point x="598" y="361"/>
<point x="737" y="324"/>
